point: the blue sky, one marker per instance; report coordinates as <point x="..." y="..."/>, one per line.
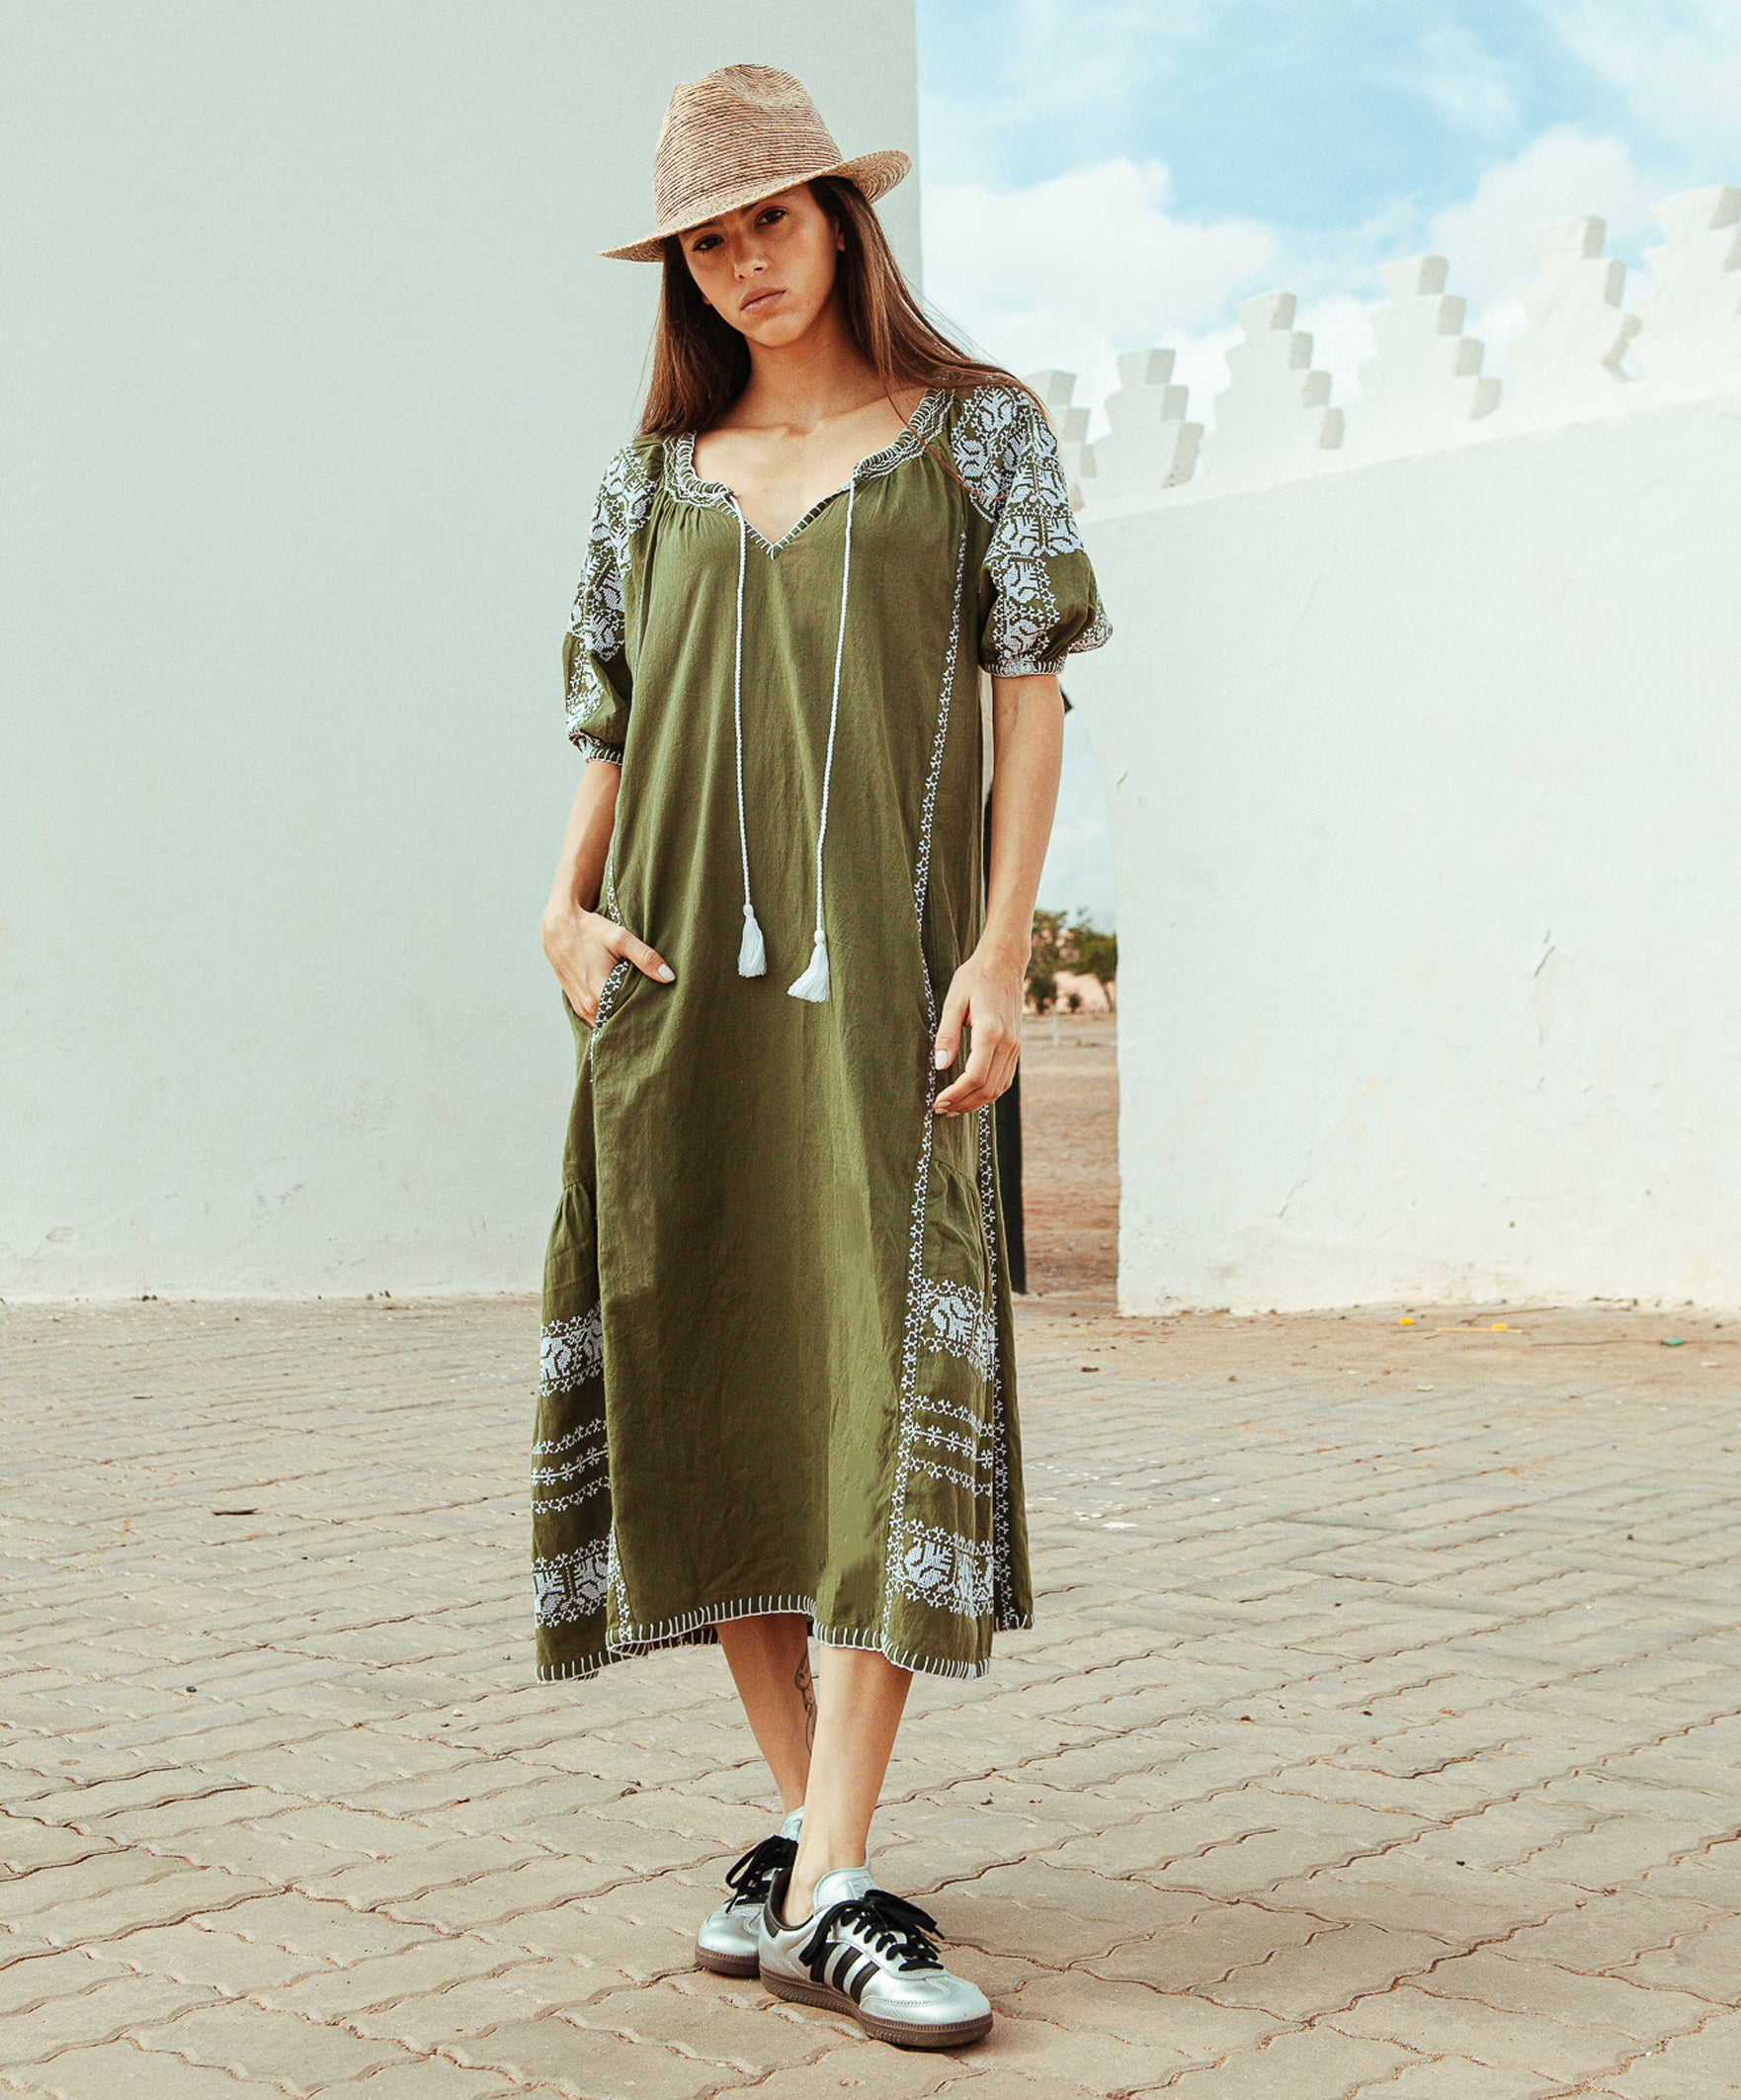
<point x="1105" y="174"/>
<point x="1310" y="116"/>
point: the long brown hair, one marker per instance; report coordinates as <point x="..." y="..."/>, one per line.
<point x="701" y="364"/>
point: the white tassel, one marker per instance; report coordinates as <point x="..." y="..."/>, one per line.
<point x="814" y="984"/>
<point x="752" y="954"/>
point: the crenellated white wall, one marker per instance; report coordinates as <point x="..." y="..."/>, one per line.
<point x="1422" y="733"/>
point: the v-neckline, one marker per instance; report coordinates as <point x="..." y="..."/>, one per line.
<point x="906" y="444"/>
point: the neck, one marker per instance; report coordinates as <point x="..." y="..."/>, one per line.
<point x="802" y="383"/>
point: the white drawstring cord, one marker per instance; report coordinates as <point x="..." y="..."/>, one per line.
<point x="814" y="984"/>
<point x="752" y="954"/>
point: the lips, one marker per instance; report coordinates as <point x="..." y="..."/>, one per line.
<point x="761" y="299"/>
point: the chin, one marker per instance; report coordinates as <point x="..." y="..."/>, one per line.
<point x="778" y="329"/>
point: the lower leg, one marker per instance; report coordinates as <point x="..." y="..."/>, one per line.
<point x="860" y="1698"/>
<point x="770" y="1661"/>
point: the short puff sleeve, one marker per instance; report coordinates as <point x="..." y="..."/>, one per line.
<point x="596" y="672"/>
<point x="1038" y="599"/>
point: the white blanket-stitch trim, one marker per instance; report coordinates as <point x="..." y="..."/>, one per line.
<point x="660" y="1631"/>
<point x="833" y="1636"/>
<point x="591" y="747"/>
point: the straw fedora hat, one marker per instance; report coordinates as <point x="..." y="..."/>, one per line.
<point x="738" y="135"/>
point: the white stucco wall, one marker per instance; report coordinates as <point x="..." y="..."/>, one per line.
<point x="309" y="372"/>
<point x="1422" y="777"/>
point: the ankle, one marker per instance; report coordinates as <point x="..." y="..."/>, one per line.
<point x="799" y="1901"/>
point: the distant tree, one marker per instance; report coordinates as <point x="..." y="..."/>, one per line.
<point x="1045" y="958"/>
<point x="1095" y="955"/>
<point x="1058" y="943"/>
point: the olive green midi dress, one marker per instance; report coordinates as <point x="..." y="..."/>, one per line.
<point x="777" y="1369"/>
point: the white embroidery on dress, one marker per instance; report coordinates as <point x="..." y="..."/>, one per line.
<point x="554" y="1505"/>
<point x="580" y="1473"/>
<point x="619" y="1613"/>
<point x="571" y="1351"/>
<point x="570" y="1468"/>
<point x="1006" y="455"/>
<point x="946" y="1571"/>
<point x="554" y="1446"/>
<point x="941" y="1430"/>
<point x="1003" y="1566"/>
<point x="600" y="622"/>
<point x="569" y="1587"/>
<point x="612" y="984"/>
<point x="961" y="1323"/>
<point x="689" y="487"/>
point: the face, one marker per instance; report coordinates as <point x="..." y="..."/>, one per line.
<point x="768" y="269"/>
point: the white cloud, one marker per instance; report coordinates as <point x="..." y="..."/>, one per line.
<point x="1559" y="175"/>
<point x="1036" y="82"/>
<point x="1066" y="273"/>
<point x="1677" y="63"/>
<point x="1469" y="85"/>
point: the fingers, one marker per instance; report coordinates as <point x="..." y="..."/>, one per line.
<point x="589" y="948"/>
<point x="644" y="958"/>
<point x="990" y="1068"/>
<point x="949" y="1029"/>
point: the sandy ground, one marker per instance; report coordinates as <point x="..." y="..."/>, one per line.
<point x="1070" y="1156"/>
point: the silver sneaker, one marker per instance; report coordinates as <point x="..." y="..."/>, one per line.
<point x="870" y="1954"/>
<point x="726" y="1942"/>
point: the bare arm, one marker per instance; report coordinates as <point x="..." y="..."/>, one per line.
<point x="582" y="944"/>
<point x="1028" y="742"/>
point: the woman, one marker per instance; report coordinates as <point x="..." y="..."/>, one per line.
<point x="777" y="1386"/>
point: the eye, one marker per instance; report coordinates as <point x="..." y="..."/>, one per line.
<point x="706" y="242"/>
<point x="773" y="214"/>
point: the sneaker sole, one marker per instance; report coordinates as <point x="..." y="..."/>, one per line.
<point x="901" y="2033"/>
<point x="726" y="1964"/>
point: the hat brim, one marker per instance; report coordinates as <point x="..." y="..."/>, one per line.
<point x="873" y="173"/>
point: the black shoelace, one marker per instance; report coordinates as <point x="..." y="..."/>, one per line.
<point x="760" y="1865"/>
<point x="896" y="1930"/>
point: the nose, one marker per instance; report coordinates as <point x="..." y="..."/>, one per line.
<point x="746" y="256"/>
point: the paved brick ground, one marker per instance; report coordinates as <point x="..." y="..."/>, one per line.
<point x="1377" y="1736"/>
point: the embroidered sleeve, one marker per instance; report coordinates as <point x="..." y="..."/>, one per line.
<point x="1038" y="599"/>
<point x="595" y="662"/>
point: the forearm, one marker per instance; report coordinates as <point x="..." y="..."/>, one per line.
<point x="1028" y="733"/>
<point x="986" y="993"/>
<point x="586" y="840"/>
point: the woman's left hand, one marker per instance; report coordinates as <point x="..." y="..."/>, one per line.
<point x="986" y="993"/>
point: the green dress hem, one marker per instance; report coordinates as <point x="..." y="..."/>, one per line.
<point x="696" y="1629"/>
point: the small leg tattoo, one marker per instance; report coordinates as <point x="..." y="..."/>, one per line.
<point x="806" y="1685"/>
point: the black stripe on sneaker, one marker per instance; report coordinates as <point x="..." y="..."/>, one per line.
<point x="846" y="1957"/>
<point x="854" y="1979"/>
